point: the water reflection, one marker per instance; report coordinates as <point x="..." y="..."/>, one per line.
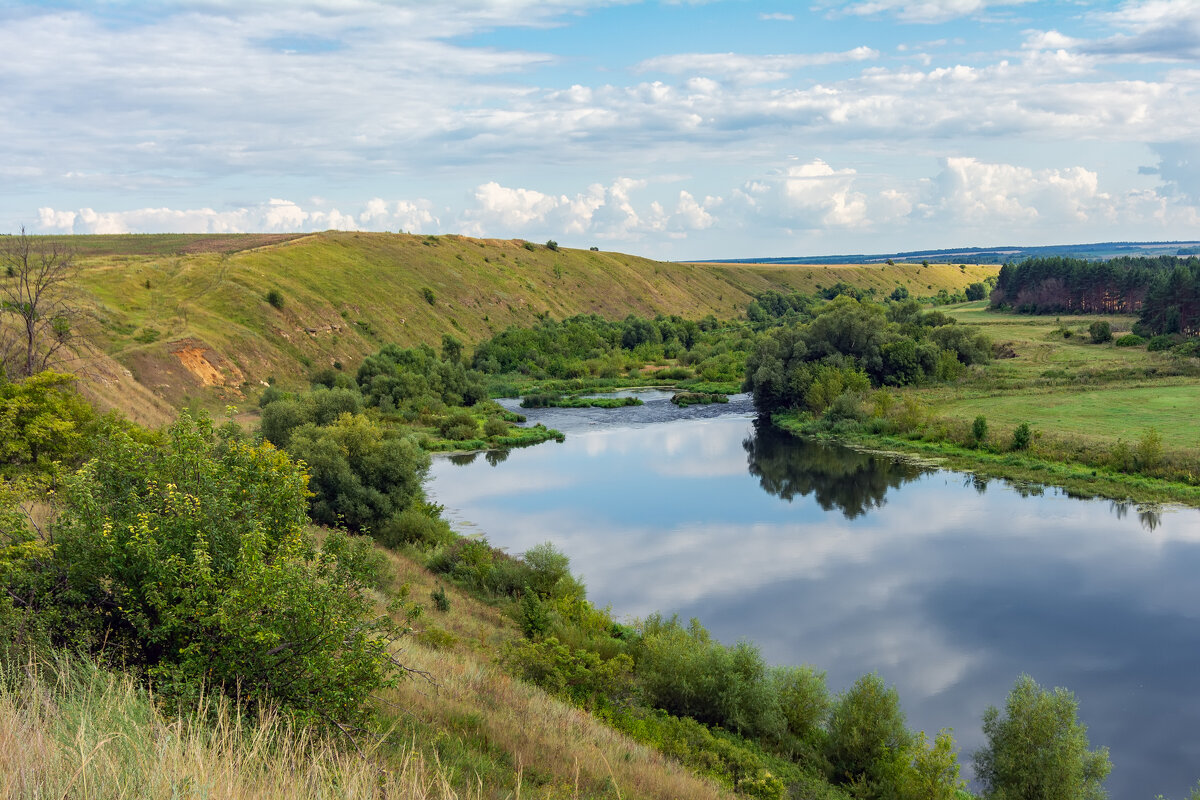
<point x="850" y="481"/>
<point x="949" y="585"/>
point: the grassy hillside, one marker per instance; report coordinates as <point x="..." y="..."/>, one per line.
<point x="468" y="731"/>
<point x="189" y="317"/>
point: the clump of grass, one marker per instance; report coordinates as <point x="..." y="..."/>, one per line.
<point x="70" y="729"/>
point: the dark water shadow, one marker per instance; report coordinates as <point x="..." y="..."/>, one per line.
<point x="838" y="478"/>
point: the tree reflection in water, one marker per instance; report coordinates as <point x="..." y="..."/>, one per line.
<point x="837" y="477"/>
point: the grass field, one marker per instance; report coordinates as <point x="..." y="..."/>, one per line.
<point x="1071" y="386"/>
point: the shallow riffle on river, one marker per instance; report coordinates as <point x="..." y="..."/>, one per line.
<point x="946" y="585"/>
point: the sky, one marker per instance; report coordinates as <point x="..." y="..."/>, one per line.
<point x="677" y="130"/>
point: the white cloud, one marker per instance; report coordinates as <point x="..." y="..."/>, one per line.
<point x="815" y="196"/>
<point x="926" y="10"/>
<point x="777" y="17"/>
<point x="607" y="212"/>
<point x="973" y="194"/>
<point x="749" y="68"/>
<point x="273" y="216"/>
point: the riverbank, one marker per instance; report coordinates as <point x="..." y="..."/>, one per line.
<point x="1076" y="479"/>
<point x="1052" y="407"/>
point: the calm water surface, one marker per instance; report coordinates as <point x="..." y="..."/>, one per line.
<point x="948" y="587"/>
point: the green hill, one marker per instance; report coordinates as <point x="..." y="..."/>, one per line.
<point x="209" y="319"/>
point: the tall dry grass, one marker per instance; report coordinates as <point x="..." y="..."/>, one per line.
<point x="75" y="731"/>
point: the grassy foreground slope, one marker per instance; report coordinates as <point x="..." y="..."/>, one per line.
<point x="189" y="316"/>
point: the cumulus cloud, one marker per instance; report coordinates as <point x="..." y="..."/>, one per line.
<point x="815" y="196"/>
<point x="974" y="194"/>
<point x="607" y="212"/>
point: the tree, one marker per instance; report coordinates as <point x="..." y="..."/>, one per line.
<point x="37" y="274"/>
<point x="1100" y="332"/>
<point x="1039" y="749"/>
<point x="867" y="734"/>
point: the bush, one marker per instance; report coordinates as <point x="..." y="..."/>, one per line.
<point x="1149" y="450"/>
<point x="804" y="701"/>
<point x="685" y="673"/>
<point x="459" y="426"/>
<point x="191" y="563"/>
<point x="579" y="674"/>
<point x="867" y="733"/>
<point x="533" y="615"/>
<point x="1039" y="749"/>
<point x="428" y="294"/>
<point x="415" y="525"/>
<point x="979" y="429"/>
<point x="1100" y="331"/>
<point x="550" y="573"/>
<point x="440" y="601"/>
<point x="357" y="476"/>
<point x="976" y="291"/>
<point x="495" y="427"/>
<point x="275" y="298"/>
<point x="1160" y="342"/>
<point x="1130" y="340"/>
<point x="43" y="420"/>
<point x="552" y="245"/>
<point x="1022" y="434"/>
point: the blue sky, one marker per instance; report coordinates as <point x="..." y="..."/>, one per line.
<point x="713" y="129"/>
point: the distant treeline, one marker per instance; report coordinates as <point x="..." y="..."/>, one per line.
<point x="1165" y="290"/>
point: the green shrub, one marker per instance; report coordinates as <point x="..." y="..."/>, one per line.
<point x="578" y="674"/>
<point x="552" y="245"/>
<point x="437" y="638"/>
<point x="358" y="477"/>
<point x="1159" y="343"/>
<point x="414" y="525"/>
<point x="1039" y="749"/>
<point x="1130" y="340"/>
<point x="275" y="298"/>
<point x="979" y="429"/>
<point x="1022" y="435"/>
<point x="550" y="572"/>
<point x="530" y="246"/>
<point x="805" y="704"/>
<point x="428" y="294"/>
<point x="440" y="601"/>
<point x="43" y="420"/>
<point x="1149" y="450"/>
<point x="867" y="733"/>
<point x="533" y="615"/>
<point x="191" y="562"/>
<point x="458" y="426"/>
<point x="495" y="427"/>
<point x="1190" y="348"/>
<point x="684" y="672"/>
<point x="1100" y="332"/>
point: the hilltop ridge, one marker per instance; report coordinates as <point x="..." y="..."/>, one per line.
<point x="210" y="319"/>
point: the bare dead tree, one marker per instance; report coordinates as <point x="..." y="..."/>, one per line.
<point x="36" y="276"/>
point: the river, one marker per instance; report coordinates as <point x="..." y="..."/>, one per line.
<point x="948" y="586"/>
